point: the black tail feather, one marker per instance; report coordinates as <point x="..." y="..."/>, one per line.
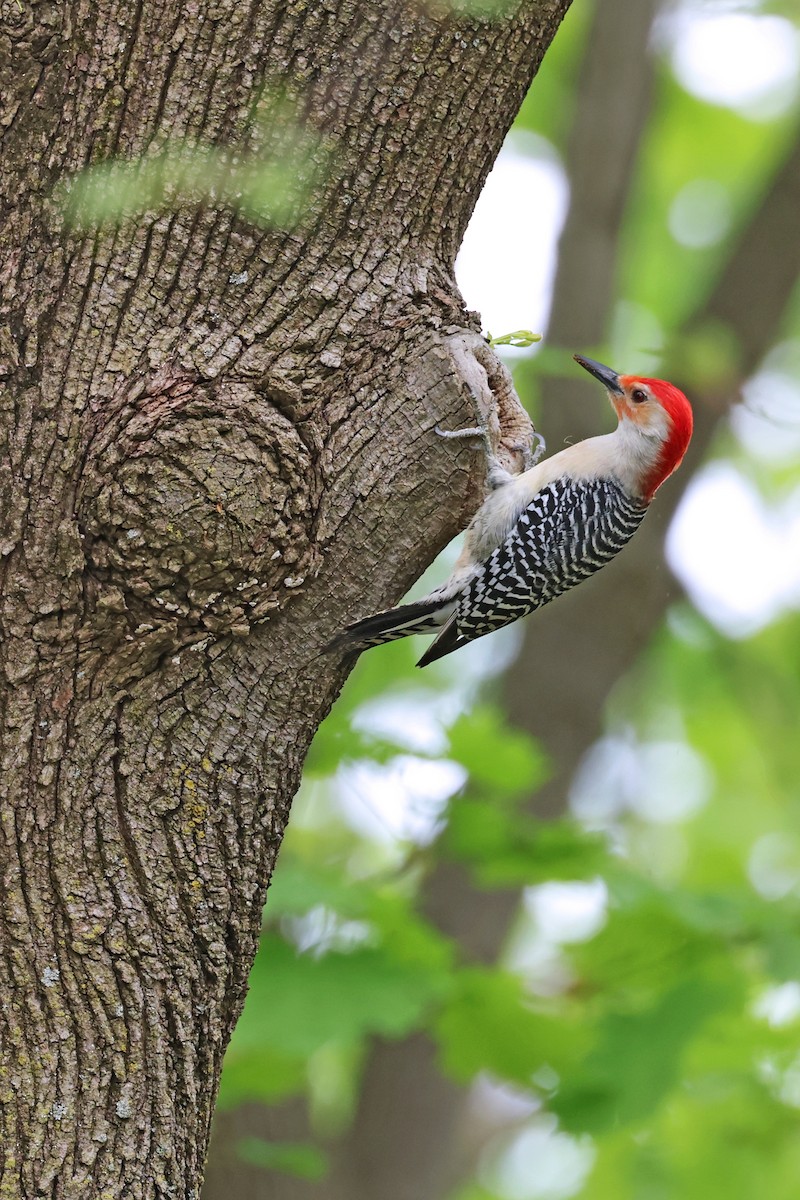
<point x="447" y="641"/>
<point x="387" y="626"/>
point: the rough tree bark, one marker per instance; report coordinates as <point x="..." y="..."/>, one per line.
<point x="215" y="443"/>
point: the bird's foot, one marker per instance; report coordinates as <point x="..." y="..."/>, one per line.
<point x="496" y="473"/>
<point x="530" y="451"/>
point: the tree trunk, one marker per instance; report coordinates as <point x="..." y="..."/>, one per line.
<point x="216" y="445"/>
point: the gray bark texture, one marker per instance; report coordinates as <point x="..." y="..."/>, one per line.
<point x="216" y="446"/>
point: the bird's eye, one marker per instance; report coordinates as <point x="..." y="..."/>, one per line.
<point x="639" y="395"/>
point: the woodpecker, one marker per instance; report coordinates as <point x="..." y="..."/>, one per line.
<point x="539" y="533"/>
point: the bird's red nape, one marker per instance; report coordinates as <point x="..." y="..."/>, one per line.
<point x="679" y="411"/>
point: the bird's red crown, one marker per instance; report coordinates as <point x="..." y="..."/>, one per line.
<point x="679" y="411"/>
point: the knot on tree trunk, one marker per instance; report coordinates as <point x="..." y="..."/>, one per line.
<point x="195" y="507"/>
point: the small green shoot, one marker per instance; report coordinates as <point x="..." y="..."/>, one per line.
<point x="521" y="338"/>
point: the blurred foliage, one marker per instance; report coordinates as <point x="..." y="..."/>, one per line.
<point x="295" y="1158"/>
<point x="663" y="1043"/>
<point x="269" y="180"/>
<point x="656" y="1035"/>
<point x="481" y="10"/>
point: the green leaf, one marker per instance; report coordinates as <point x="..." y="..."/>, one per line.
<point x="298" y="886"/>
<point x="488" y="1024"/>
<point x="499" y="758"/>
<point x="297" y="1002"/>
<point x="636" y="1061"/>
<point x="260" y="1073"/>
<point x="507" y="848"/>
<point x="521" y="338"/>
<point x="302" y="1159"/>
<point x="644" y="946"/>
<point x="405" y="937"/>
<point x="474" y="1191"/>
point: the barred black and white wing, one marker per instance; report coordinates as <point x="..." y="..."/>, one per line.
<point x="568" y="531"/>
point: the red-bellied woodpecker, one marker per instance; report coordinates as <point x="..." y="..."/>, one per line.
<point x="539" y="533"/>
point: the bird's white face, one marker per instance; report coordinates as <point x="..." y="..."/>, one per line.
<point x="655" y="423"/>
<point x="637" y="403"/>
<point x="635" y="400"/>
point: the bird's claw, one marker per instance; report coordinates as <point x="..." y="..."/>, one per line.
<point x="497" y="475"/>
<point x="532" y="451"/>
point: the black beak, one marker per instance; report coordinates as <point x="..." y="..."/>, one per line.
<point x="607" y="377"/>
